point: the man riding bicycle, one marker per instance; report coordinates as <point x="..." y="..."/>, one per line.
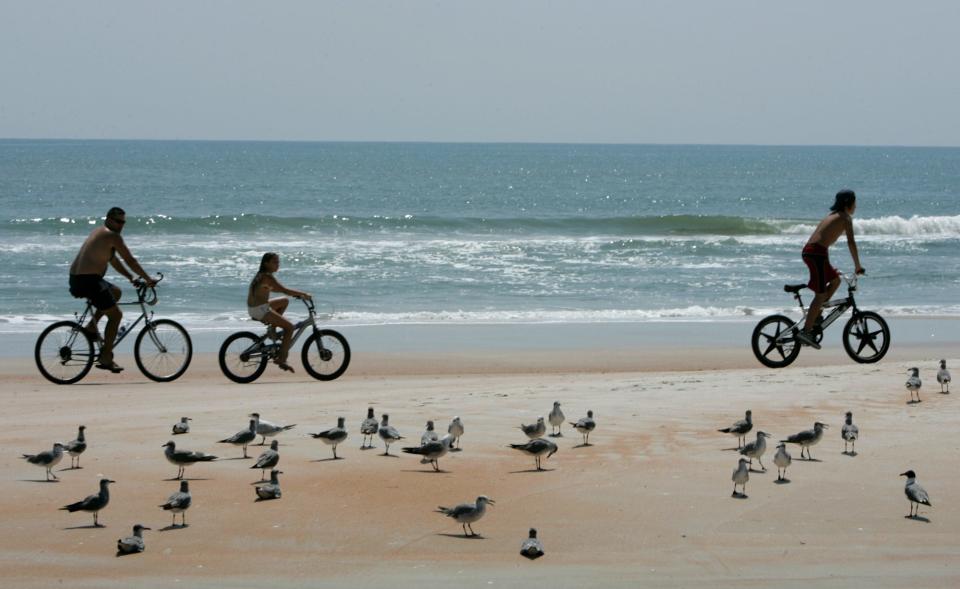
<point x="86" y="280"/>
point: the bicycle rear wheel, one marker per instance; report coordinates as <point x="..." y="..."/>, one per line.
<point x="64" y="352"/>
<point x="325" y="355"/>
<point x="772" y="344"/>
<point x="163" y="350"/>
<point x="243" y="357"/>
<point x="866" y="337"/>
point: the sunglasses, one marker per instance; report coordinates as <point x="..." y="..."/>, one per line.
<point x="118" y="221"/>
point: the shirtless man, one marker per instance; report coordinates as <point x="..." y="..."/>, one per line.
<point x="824" y="278"/>
<point x="86" y="280"/>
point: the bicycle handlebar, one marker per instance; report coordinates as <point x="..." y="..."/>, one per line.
<point x="143" y="289"/>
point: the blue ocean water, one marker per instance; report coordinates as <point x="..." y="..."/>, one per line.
<point x="395" y="232"/>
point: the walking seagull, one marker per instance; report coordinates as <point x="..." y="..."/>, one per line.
<point x="388" y="434"/>
<point x="943" y="377"/>
<point x="267" y="428"/>
<point x="531" y="547"/>
<point x="268" y="459"/>
<point x="429" y="435"/>
<point x="585" y="425"/>
<point x="47" y="459"/>
<point x="184" y="458"/>
<point x="333" y="436"/>
<point x="850" y="433"/>
<point x="92" y="503"/>
<point x="556" y="419"/>
<point x="740" y="428"/>
<point x="534" y="430"/>
<point x="914" y="384"/>
<point x="756" y="449"/>
<point x="243" y="438"/>
<point x="456" y="429"/>
<point x="807" y="438"/>
<point x="369" y="429"/>
<point x="467" y="513"/>
<point x="537" y="448"/>
<point x="132" y="544"/>
<point x="916" y="494"/>
<point x="741" y="475"/>
<point x="182" y="426"/>
<point x="179" y="502"/>
<point x="432" y="452"/>
<point x="76" y="447"/>
<point x="270" y="490"/>
<point x="782" y="459"/>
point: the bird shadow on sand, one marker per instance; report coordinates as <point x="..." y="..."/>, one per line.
<point x="389" y="455"/>
<point x="184" y="479"/>
<point x="456" y="449"/>
<point x="757" y="471"/>
<point x="532" y="470"/>
<point x="731" y="449"/>
<point x="913" y="402"/>
<point x="809" y="460"/>
<point x="121" y="553"/>
<point x="173" y="527"/>
<point x="261" y="499"/>
<point x="583" y="446"/>
<point x="739" y="496"/>
<point x="368" y="447"/>
<point x="556" y="435"/>
<point x="38" y="481"/>
<point x="331" y="459"/>
<point x="236" y="458"/>
<point x="917" y="518"/>
<point x="425" y="471"/>
<point x="781" y="482"/>
<point x="462" y="537"/>
<point x="87" y="527"/>
<point x="71" y="468"/>
<point x="850" y="454"/>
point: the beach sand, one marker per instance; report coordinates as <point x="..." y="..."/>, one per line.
<point x="648" y="504"/>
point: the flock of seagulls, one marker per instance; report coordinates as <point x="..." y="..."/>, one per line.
<point x="914" y="383"/>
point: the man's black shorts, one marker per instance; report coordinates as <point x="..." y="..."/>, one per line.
<point x="93" y="287"/>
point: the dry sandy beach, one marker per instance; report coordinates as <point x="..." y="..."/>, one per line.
<point x="648" y="504"/>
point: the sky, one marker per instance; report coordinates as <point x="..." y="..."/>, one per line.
<point x="700" y="71"/>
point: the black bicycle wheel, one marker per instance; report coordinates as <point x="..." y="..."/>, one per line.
<point x="243" y="357"/>
<point x="773" y="344"/>
<point x="325" y="355"/>
<point x="866" y="337"/>
<point x="64" y="353"/>
<point x="163" y="350"/>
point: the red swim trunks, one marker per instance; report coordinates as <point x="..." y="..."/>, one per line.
<point x="821" y="272"/>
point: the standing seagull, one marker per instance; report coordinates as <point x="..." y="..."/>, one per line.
<point x="467" y="513"/>
<point x="782" y="459"/>
<point x="429" y="435"/>
<point x="531" y="547"/>
<point x="184" y="458"/>
<point x="76" y="447"/>
<point x="179" y="502"/>
<point x="850" y="433"/>
<point x="267" y="428"/>
<point x="741" y="475"/>
<point x="537" y="448"/>
<point x="93" y="503"/>
<point x="807" y="438"/>
<point x="47" y="459"/>
<point x="270" y="490"/>
<point x="182" y="426"/>
<point x="534" y="430"/>
<point x="740" y="428"/>
<point x="756" y="449"/>
<point x="388" y="434"/>
<point x="585" y="425"/>
<point x="914" y="384"/>
<point x="432" y="452"/>
<point x="456" y="430"/>
<point x="943" y="377"/>
<point x="132" y="544"/>
<point x="556" y="419"/>
<point x="268" y="459"/>
<point x="369" y="429"/>
<point x="915" y="493"/>
<point x="333" y="436"/>
<point x="243" y="438"/>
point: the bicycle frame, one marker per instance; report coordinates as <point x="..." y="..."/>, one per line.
<point x="839" y="307"/>
<point x="298" y="329"/>
<point x="142" y="302"/>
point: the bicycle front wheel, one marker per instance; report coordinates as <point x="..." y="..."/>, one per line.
<point x="772" y="343"/>
<point x="163" y="350"/>
<point x="325" y="355"/>
<point x="64" y="353"/>
<point x="243" y="357"/>
<point x="866" y="337"/>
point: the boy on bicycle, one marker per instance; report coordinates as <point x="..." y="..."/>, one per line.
<point x="824" y="278"/>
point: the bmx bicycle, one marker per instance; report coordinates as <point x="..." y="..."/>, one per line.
<point x="325" y="353"/>
<point x="65" y="351"/>
<point x="866" y="336"/>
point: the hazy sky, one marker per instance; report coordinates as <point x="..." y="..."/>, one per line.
<point x="711" y="71"/>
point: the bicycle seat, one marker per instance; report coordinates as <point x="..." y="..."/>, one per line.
<point x="794" y="287"/>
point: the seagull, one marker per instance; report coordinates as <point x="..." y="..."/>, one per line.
<point x="585" y="425"/>
<point x="76" y="447"/>
<point x="432" y="452"/>
<point x="741" y="475"/>
<point x="333" y="436"/>
<point x="182" y="426"/>
<point x="915" y="493"/>
<point x="914" y="384"/>
<point x="943" y="377"/>
<point x="740" y="428"/>
<point x="556" y="419"/>
<point x="537" y="448"/>
<point x="782" y="459"/>
<point x="270" y="490"/>
<point x="531" y="547"/>
<point x="850" y="433"/>
<point x="369" y="429"/>
<point x="429" y="435"/>
<point x="132" y="544"/>
<point x="267" y="428"/>
<point x="388" y="434"/>
<point x="456" y="429"/>
<point x="47" y="459"/>
<point x="184" y="458"/>
<point x="756" y="449"/>
<point x="534" y="430"/>
<point x="179" y="502"/>
<point x="93" y="503"/>
<point x="807" y="438"/>
<point x="268" y="459"/>
<point x="242" y="438"/>
<point x="467" y="513"/>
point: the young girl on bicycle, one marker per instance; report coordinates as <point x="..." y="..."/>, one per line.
<point x="270" y="311"/>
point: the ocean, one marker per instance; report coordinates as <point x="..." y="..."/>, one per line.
<point x="393" y="233"/>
